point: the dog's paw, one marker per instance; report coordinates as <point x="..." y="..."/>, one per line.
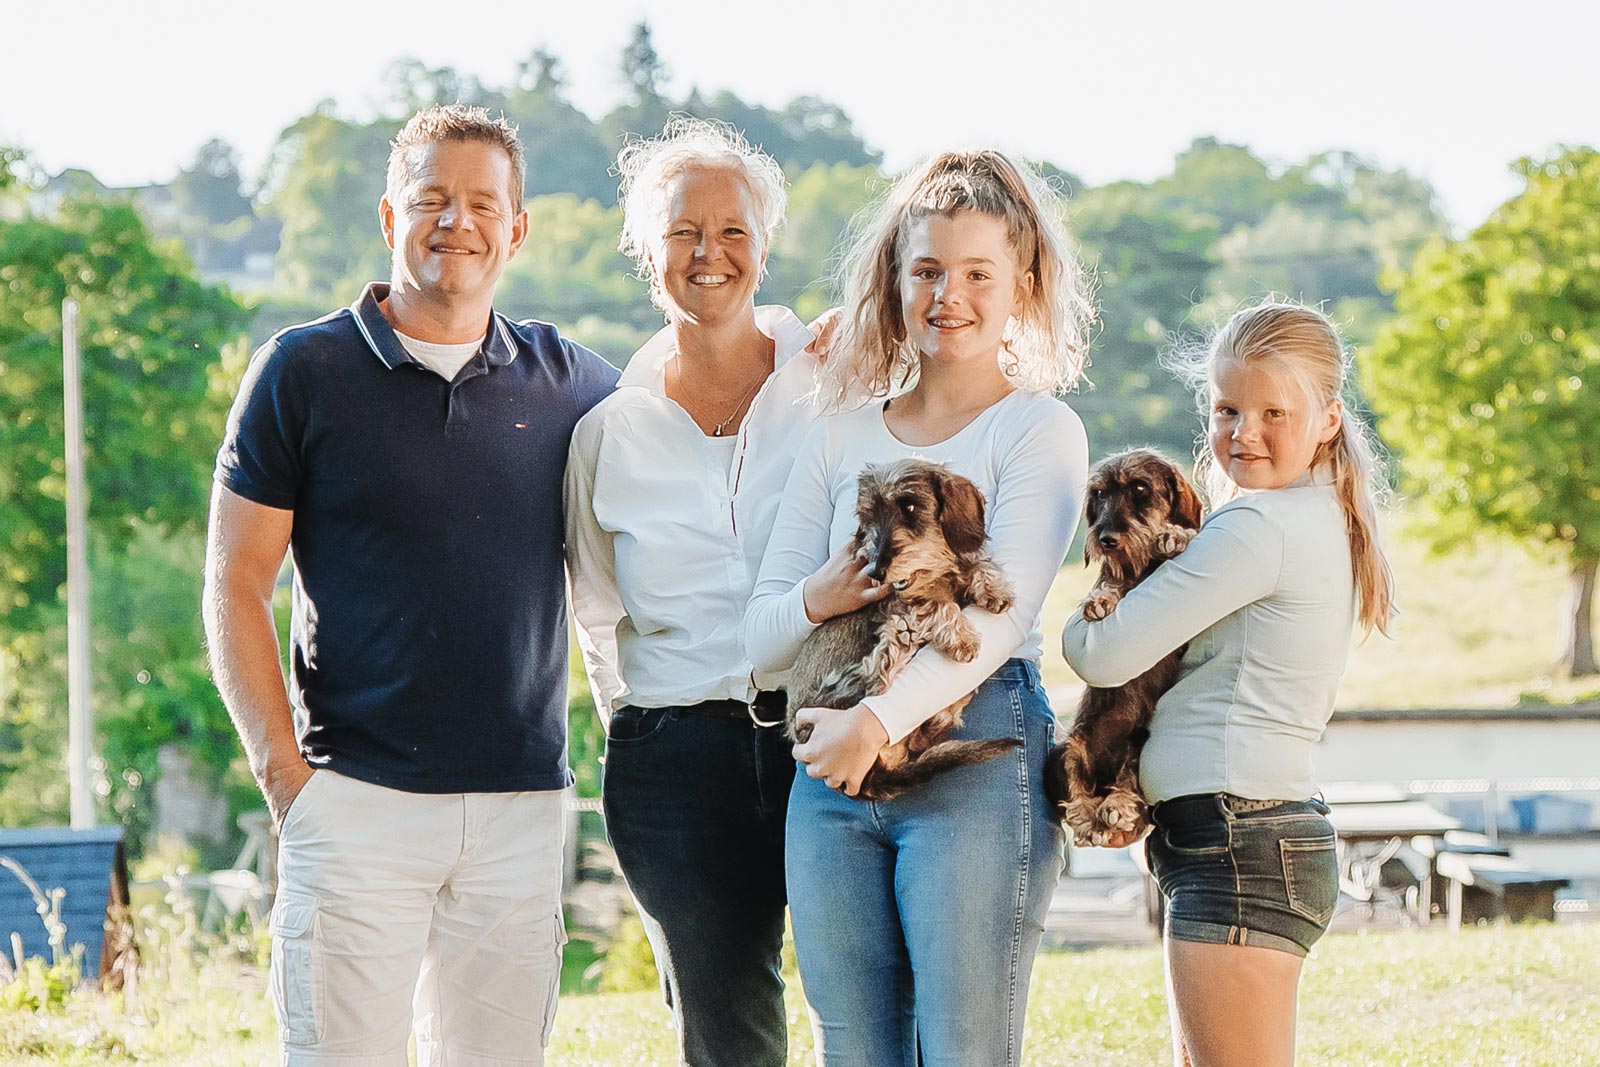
<point x="1172" y="540"/>
<point x="962" y="647"/>
<point x="1100" y="603"/>
<point x="1122" y="810"/>
<point x="1079" y="816"/>
<point x="991" y="591"/>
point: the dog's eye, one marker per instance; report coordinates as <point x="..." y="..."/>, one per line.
<point x="1141" y="489"/>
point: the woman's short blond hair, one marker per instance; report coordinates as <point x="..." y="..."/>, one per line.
<point x="649" y="167"/>
<point x="1046" y="346"/>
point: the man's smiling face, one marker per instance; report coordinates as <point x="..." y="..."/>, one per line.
<point x="454" y="225"/>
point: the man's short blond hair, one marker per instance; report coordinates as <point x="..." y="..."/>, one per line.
<point x="455" y="122"/>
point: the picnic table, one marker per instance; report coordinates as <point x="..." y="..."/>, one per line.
<point x="1373" y="825"/>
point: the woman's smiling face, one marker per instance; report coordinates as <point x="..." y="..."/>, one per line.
<point x="711" y="250"/>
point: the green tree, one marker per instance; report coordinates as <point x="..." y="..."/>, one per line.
<point x="210" y="188"/>
<point x="822" y="201"/>
<point x="566" y="152"/>
<point x="1488" y="380"/>
<point x="324" y="179"/>
<point x="646" y="108"/>
<point x="154" y="401"/>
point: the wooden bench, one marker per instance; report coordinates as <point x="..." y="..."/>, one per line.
<point x="1487" y="887"/>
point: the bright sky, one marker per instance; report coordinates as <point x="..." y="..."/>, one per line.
<point x="1450" y="91"/>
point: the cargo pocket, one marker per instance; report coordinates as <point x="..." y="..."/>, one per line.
<point x="1311" y="876"/>
<point x="296" y="969"/>
<point x="553" y="989"/>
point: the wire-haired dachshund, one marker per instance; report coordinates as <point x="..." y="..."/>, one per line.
<point x="1142" y="512"/>
<point x="920" y="529"/>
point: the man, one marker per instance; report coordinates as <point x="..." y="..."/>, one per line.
<point x="409" y="450"/>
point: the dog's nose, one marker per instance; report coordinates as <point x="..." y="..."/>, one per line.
<point x="880" y="570"/>
<point x="1109" y="540"/>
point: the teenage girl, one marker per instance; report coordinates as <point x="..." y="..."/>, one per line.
<point x="916" y="919"/>
<point x="1265" y="597"/>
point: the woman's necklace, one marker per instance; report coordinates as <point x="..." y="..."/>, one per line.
<point x="718" y="428"/>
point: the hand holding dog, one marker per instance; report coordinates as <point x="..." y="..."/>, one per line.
<point x="840" y="586"/>
<point x="843" y="745"/>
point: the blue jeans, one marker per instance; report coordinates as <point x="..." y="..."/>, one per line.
<point x="916" y="919"/>
<point x="695" y="810"/>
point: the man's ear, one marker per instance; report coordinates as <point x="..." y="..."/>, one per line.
<point x="519" y="232"/>
<point x="386" y="220"/>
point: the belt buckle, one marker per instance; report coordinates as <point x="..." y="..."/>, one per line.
<point x="756" y="721"/>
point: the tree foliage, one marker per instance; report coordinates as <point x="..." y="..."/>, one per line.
<point x="154" y="399"/>
<point x="1488" y="379"/>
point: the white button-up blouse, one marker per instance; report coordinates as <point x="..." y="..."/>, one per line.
<point x="666" y="530"/>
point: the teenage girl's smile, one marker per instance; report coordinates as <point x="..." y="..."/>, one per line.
<point x="959" y="285"/>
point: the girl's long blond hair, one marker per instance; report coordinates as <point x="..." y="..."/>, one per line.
<point x="1303" y="343"/>
<point x="1045" y="347"/>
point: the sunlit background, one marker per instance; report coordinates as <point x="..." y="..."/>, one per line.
<point x="199" y="175"/>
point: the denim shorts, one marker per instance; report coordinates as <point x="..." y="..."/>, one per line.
<point x="1266" y="877"/>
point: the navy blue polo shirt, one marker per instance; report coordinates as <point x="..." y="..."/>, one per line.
<point x="429" y="634"/>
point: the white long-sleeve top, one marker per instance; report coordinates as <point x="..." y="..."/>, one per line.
<point x="1027" y="453"/>
<point x="1265" y="599"/>
<point x="666" y="527"/>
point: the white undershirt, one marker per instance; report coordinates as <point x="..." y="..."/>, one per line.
<point x="444" y="360"/>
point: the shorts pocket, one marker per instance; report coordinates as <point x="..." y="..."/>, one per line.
<point x="296" y="977"/>
<point x="1311" y="876"/>
<point x="1203" y="839"/>
<point x="632" y="726"/>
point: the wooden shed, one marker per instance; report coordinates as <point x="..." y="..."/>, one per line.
<point x="88" y="865"/>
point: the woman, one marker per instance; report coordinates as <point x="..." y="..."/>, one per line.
<point x="916" y="919"/>
<point x="672" y="487"/>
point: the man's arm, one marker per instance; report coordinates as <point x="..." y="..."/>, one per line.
<point x="245" y="545"/>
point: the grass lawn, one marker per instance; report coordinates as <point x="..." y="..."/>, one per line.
<point x="1525" y="996"/>
<point x="1478" y="628"/>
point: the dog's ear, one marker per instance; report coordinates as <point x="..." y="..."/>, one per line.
<point x="960" y="511"/>
<point x="1186" y="507"/>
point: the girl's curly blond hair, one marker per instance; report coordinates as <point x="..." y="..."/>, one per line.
<point x="1045" y="347"/>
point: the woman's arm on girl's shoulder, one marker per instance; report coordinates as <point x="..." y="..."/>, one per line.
<point x="1043" y="468"/>
<point x="592" y="567"/>
<point x="775" y="622"/>
<point x="1235" y="560"/>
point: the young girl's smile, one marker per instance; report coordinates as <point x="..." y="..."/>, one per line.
<point x="1264" y="432"/>
<point x="959" y="285"/>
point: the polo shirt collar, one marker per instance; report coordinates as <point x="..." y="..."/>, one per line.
<point x="498" y="347"/>
<point x="648" y="367"/>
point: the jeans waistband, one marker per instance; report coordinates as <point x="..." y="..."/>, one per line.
<point x="1199" y="807"/>
<point x="768" y="708"/>
<point x="1017" y="670"/>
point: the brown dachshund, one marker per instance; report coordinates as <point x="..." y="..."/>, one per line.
<point x="920" y="528"/>
<point x="1142" y="512"/>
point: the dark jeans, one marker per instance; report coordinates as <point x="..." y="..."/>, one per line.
<point x="1266" y="877"/>
<point x="695" y="809"/>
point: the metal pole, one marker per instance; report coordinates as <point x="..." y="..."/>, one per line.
<point x="80" y="715"/>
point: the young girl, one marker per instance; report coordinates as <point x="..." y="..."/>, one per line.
<point x="1264" y="596"/>
<point x="916" y="919"/>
